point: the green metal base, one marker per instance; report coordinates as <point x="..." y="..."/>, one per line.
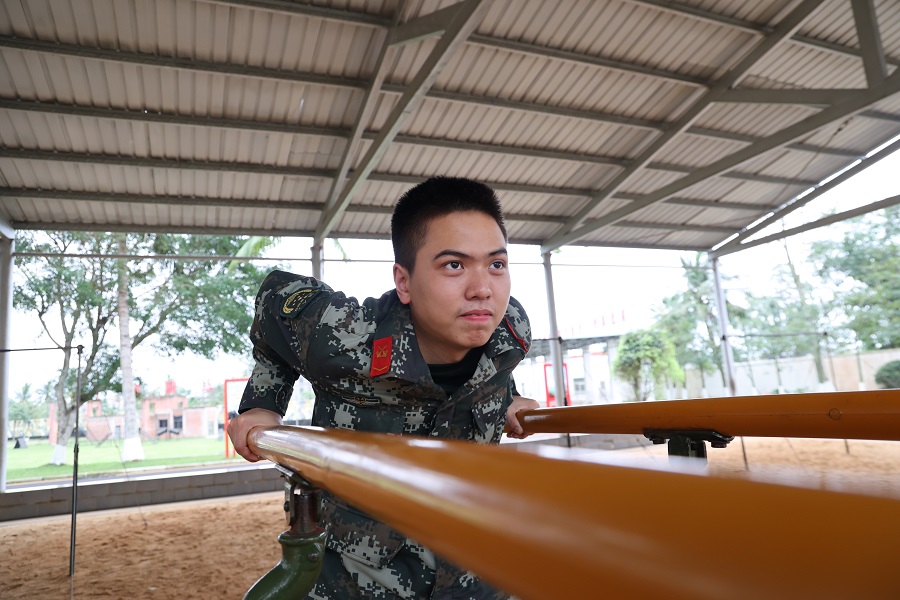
<point x="296" y="574"/>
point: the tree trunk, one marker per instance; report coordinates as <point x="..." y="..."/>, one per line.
<point x="817" y="348"/>
<point x="131" y="447"/>
<point x="65" y="421"/>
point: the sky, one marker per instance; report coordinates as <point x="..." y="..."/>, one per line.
<point x="618" y="292"/>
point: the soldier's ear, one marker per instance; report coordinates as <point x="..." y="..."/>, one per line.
<point x="401" y="282"/>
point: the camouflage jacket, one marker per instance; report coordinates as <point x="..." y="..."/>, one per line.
<point x="364" y="364"/>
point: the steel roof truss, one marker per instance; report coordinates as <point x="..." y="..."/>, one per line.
<point x="786" y="28"/>
<point x="861" y="100"/>
<point x="816" y="98"/>
<point x="869" y="40"/>
<point x="158" y="199"/>
<point x="144" y="116"/>
<point x="796" y="203"/>
<point x="823" y="222"/>
<point x="465" y="18"/>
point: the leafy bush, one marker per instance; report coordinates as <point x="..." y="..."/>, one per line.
<point x="888" y="376"/>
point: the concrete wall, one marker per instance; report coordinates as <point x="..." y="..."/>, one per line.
<point x="138" y="490"/>
<point x="793" y="375"/>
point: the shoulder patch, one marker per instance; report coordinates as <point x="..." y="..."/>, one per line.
<point x="296" y="302"/>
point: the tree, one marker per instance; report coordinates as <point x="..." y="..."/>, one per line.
<point x="865" y="269"/>
<point x="791" y="322"/>
<point x="646" y="358"/>
<point x="690" y="320"/>
<point x="178" y="305"/>
<point x="24" y="408"/>
<point x="131" y="442"/>
<point x="888" y="376"/>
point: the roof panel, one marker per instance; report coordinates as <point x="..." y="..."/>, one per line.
<point x="538" y="101"/>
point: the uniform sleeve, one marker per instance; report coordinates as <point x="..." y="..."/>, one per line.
<point x="284" y="303"/>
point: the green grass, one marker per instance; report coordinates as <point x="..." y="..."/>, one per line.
<point x="33" y="462"/>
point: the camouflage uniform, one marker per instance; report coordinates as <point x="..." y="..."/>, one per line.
<point x="368" y="374"/>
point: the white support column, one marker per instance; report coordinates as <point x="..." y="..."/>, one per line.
<point x="612" y="349"/>
<point x="6" y="289"/>
<point x="727" y="355"/>
<point x="556" y="355"/>
<point x="317" y="259"/>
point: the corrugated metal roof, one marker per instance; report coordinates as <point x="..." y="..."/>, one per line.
<point x="623" y="123"/>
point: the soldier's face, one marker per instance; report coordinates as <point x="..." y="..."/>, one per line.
<point x="459" y="288"/>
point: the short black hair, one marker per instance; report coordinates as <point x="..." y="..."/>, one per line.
<point x="436" y="197"/>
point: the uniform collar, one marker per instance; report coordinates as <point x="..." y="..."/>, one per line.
<point x="394" y="321"/>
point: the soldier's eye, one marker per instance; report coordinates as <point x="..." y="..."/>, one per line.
<point x="454" y="265"/>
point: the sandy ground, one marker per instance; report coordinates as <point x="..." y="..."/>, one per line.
<point x="218" y="548"/>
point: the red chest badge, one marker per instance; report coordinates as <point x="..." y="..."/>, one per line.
<point x="381" y="356"/>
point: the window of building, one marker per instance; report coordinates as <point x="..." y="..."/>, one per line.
<point x="177" y="422"/>
<point x="579" y="384"/>
<point x="163" y="423"/>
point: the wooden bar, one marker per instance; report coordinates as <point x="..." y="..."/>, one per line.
<point x="868" y="415"/>
<point x="542" y="527"/>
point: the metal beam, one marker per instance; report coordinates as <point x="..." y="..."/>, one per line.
<point x="750" y="139"/>
<point x="675" y="226"/>
<point x="144" y="116"/>
<point x="584" y="59"/>
<point x="869" y="40"/>
<point x="192" y="201"/>
<point x="174" y="62"/>
<point x="420" y="28"/>
<point x="559" y="111"/>
<point x="159" y="199"/>
<point x="660" y="166"/>
<point x="166" y="163"/>
<point x="289" y="7"/>
<point x="467" y="17"/>
<point x="796" y="203"/>
<point x="839" y="111"/>
<point x="784" y="30"/>
<point x="721" y="204"/>
<point x="816" y="98"/>
<point x="513" y="150"/>
<point x="7" y="231"/>
<point x="750" y="27"/>
<point x="289" y="129"/>
<point x="823" y="222"/>
<point x="497" y="185"/>
<point x="773" y="179"/>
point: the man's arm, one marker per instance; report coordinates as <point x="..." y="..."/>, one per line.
<point x="513" y="429"/>
<point x="240" y="426"/>
<point x="278" y="354"/>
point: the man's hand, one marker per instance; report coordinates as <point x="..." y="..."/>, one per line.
<point x="513" y="429"/>
<point x="240" y="426"/>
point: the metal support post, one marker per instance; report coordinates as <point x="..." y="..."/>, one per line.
<point x="6" y="264"/>
<point x="317" y="259"/>
<point x="302" y="545"/>
<point x="556" y="355"/>
<point x="727" y="356"/>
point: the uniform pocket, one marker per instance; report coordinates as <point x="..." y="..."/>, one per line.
<point x="359" y="536"/>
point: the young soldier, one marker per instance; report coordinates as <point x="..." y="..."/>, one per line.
<point x="432" y="357"/>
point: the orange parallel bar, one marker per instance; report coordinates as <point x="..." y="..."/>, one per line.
<point x="871" y="415"/>
<point x="544" y="528"/>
